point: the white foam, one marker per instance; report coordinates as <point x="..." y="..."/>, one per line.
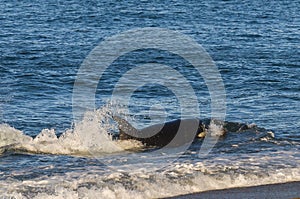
<point x="137" y="184"/>
<point x="215" y="129"/>
<point x="89" y="137"/>
<point x="12" y="136"/>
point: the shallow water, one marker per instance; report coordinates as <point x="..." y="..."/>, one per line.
<point x="254" y="45"/>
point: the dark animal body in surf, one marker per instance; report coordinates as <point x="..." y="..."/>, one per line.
<point x="171" y="134"/>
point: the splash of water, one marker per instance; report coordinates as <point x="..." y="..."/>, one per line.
<point x="91" y="136"/>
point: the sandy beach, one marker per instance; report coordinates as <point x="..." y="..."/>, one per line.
<point x="278" y="191"/>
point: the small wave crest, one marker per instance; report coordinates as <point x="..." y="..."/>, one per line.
<point x="182" y="178"/>
<point x="90" y="136"/>
<point x="93" y="136"/>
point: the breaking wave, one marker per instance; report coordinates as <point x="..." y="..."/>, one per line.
<point x="180" y="179"/>
<point x="234" y="164"/>
<point x="91" y="136"/>
<point x="94" y="135"/>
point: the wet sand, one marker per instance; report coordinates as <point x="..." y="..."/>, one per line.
<point x="282" y="190"/>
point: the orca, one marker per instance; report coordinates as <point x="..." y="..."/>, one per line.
<point x="172" y="134"/>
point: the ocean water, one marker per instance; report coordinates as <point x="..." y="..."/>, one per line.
<point x="46" y="152"/>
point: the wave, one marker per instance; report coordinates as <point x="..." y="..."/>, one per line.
<point x="182" y="178"/>
<point x="90" y="136"/>
<point x="93" y="136"/>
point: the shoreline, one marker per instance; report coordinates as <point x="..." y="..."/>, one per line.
<point x="279" y="190"/>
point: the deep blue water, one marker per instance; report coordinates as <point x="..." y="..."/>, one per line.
<point x="254" y="44"/>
